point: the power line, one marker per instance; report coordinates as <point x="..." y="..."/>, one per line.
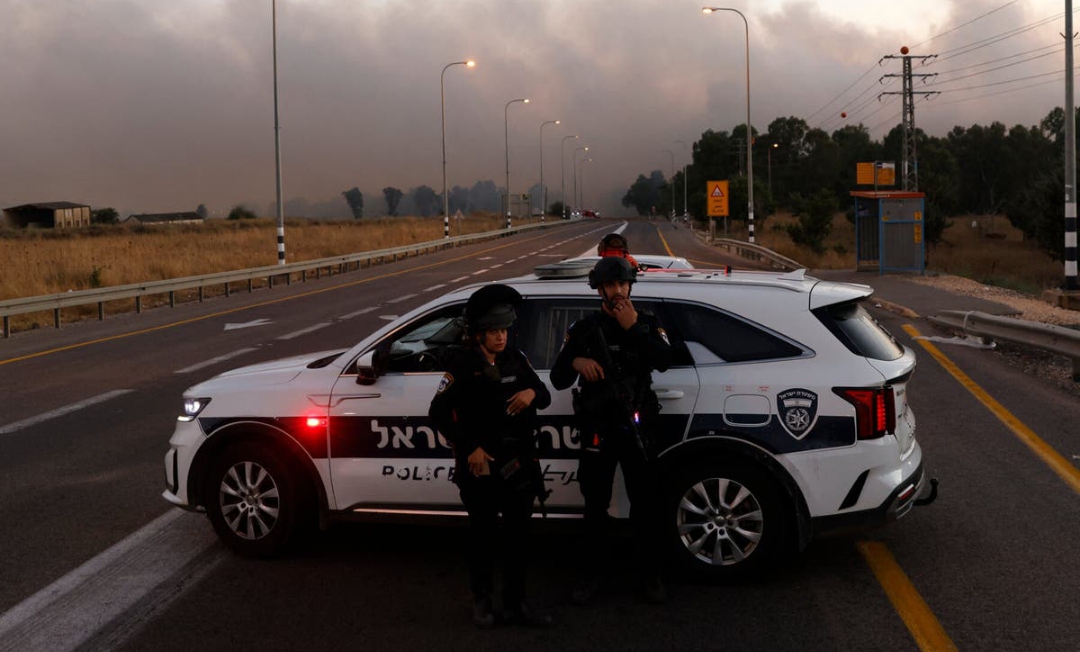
<point x="991" y="40"/>
<point x="1007" y="81"/>
<point x="842" y="93"/>
<point x="1008" y="90"/>
<point x="983" y="72"/>
<point x="949" y="31"/>
<point x="1060" y="47"/>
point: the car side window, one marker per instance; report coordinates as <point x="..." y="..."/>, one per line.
<point x="418" y="346"/>
<point x="718" y="336"/>
<point x="546" y="321"/>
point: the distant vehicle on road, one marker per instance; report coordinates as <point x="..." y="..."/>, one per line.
<point x="590" y="213"/>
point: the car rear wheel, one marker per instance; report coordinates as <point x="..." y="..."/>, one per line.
<point x="254" y="500"/>
<point x="726" y="520"/>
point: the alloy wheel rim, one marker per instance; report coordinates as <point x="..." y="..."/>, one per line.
<point x="249" y="500"/>
<point x="720" y="521"/>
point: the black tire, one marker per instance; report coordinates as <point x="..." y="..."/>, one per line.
<point x="734" y="538"/>
<point x="255" y="501"/>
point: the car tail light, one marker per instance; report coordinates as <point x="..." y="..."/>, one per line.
<point x="875" y="410"/>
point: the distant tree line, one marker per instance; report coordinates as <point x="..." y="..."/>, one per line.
<point x="1016" y="171"/>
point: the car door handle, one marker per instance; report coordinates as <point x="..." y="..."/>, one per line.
<point x="338" y="400"/>
<point x="669" y="394"/>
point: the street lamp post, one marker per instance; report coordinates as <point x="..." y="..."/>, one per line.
<point x="672" y="180"/>
<point x="543" y="192"/>
<point x="774" y="146"/>
<point x="277" y="144"/>
<point x="442" y="103"/>
<point x="562" y="172"/>
<point x="506" y="128"/>
<point x="683" y="143"/>
<point x="579" y="149"/>
<point x="581" y="173"/>
<point x="749" y="130"/>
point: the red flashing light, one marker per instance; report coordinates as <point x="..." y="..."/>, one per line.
<point x="316" y="422"/>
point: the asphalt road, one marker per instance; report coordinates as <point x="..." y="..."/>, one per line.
<point x="94" y="559"/>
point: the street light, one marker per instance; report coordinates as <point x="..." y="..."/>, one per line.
<point x="672" y="180"/>
<point x="683" y="143"/>
<point x="579" y="149"/>
<point x="277" y="145"/>
<point x="543" y="199"/>
<point x="442" y="102"/>
<point x="506" y="128"/>
<point x="774" y="146"/>
<point x="562" y="172"/>
<point x="749" y="130"/>
<point x="581" y="173"/>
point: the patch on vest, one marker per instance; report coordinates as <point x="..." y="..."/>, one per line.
<point x="445" y="383"/>
<point x="798" y="411"/>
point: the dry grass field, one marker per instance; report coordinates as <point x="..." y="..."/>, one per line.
<point x="984" y="248"/>
<point x="50" y="262"/>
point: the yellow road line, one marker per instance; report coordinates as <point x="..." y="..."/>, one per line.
<point x="928" y="633"/>
<point x="257" y="305"/>
<point x="663" y="240"/>
<point x="1058" y="464"/>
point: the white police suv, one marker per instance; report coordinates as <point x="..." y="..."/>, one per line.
<point x="785" y="417"/>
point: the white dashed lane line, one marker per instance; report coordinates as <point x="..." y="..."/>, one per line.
<point x="357" y="313"/>
<point x="404" y="297"/>
<point x="478" y="272"/>
<point x="213" y="361"/>
<point x="459" y="279"/>
<point x="304" y="331"/>
<point x="59" y="412"/>
<point x="435" y="287"/>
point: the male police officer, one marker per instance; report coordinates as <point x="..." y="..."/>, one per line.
<point x="486" y="407"/>
<point x="613" y="353"/>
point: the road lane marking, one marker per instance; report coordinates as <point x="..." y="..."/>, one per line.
<point x="302" y="295"/>
<point x="404" y="297"/>
<point x="248" y="324"/>
<point x="68" y="612"/>
<point x="304" y="331"/>
<point x="59" y="412"/>
<point x="435" y="287"/>
<point x="362" y="311"/>
<point x="213" y="361"/>
<point x="496" y="266"/>
<point x="1057" y="463"/>
<point x="478" y="272"/>
<point x="928" y="633"/>
<point x="664" y="242"/>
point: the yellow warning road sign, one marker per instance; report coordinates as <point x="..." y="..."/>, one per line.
<point x="717" y="192"/>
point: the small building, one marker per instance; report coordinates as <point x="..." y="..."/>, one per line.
<point x="151" y="219"/>
<point x="889" y="230"/>
<point x="48" y="215"/>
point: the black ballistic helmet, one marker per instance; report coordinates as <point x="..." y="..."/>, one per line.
<point x="491" y="307"/>
<point x="614" y="241"/>
<point x="611" y="268"/>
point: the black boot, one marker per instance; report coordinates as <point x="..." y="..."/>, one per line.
<point x="523" y="614"/>
<point x="482" y="613"/>
<point x="585" y="591"/>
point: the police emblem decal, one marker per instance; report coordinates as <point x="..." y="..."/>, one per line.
<point x="797" y="409"/>
<point x="447" y="381"/>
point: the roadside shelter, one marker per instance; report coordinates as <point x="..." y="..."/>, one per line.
<point x="889" y="231"/>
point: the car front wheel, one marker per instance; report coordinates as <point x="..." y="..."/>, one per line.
<point x="725" y="520"/>
<point x="254" y="500"/>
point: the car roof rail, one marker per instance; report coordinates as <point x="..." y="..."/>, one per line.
<point x="564" y="269"/>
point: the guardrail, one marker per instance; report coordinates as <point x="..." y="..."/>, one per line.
<point x="138" y="291"/>
<point x="757" y="252"/>
<point x="1058" y="339"/>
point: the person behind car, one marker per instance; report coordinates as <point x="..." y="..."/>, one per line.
<point x="614" y="244"/>
<point x="486" y="408"/>
<point x="611" y="355"/>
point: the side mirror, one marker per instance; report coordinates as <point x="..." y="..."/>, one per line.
<point x="366" y="373"/>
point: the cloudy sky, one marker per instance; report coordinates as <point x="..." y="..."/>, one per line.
<point x="160" y="105"/>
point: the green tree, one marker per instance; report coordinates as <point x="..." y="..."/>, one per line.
<point x="393" y="199"/>
<point x="815" y="215"/>
<point x="202" y="212"/>
<point x="644" y="194"/>
<point x="104" y="216"/>
<point x="425" y="198"/>
<point x="355" y="199"/>
<point x="241" y="212"/>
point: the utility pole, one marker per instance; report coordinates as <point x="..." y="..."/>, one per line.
<point x="1070" y="157"/>
<point x="909" y="168"/>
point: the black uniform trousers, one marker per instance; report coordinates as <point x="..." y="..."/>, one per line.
<point x="485" y="497"/>
<point x="596" y="475"/>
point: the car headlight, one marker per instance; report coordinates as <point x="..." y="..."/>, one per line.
<point x="192" y="408"/>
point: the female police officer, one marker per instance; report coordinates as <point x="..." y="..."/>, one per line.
<point x="486" y="408"/>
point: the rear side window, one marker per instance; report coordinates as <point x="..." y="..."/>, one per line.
<point x="859" y="332"/>
<point x="727" y="337"/>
